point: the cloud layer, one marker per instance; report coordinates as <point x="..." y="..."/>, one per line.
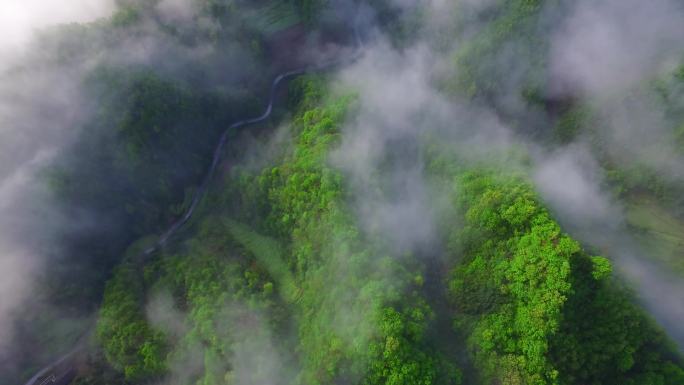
<point x="21" y="19"/>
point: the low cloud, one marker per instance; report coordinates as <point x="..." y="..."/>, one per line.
<point x="244" y="350"/>
<point x="605" y="47"/>
<point x="177" y="10"/>
<point x="21" y="19"/>
<point x="569" y="180"/>
<point x="36" y="120"/>
<point x="380" y="149"/>
<point x="44" y="107"/>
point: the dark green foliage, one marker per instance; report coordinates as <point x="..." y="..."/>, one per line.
<point x="605" y="338"/>
<point x="97" y="371"/>
<point x="125" y="16"/>
<point x="632" y="180"/>
<point x="309" y="9"/>
<point x="149" y="126"/>
<point x="571" y="123"/>
<point x="506" y="55"/>
<point x="149" y="140"/>
<point x="144" y="148"/>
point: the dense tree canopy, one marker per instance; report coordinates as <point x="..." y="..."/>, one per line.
<point x="277" y="277"/>
<point x="538" y="309"/>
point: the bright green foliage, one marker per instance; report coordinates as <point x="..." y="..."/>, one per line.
<point x="130" y="344"/>
<point x="537" y="309"/>
<point x="281" y="275"/>
<point x="268" y="253"/>
<point x="226" y="293"/>
<point x="397" y="359"/>
<point x="533" y="306"/>
<point x="348" y="328"/>
<point x="218" y="290"/>
<point x="514" y="279"/>
<point x="360" y="315"/>
<point x="601" y="268"/>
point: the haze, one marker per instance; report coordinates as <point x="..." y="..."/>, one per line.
<point x="20" y="19"/>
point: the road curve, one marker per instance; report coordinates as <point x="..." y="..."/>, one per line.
<point x="46" y="376"/>
<point x="199" y="194"/>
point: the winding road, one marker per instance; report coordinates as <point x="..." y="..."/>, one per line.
<point x="61" y="371"/>
<point x="199" y="194"/>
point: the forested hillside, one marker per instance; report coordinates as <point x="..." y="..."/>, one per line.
<point x="318" y="192"/>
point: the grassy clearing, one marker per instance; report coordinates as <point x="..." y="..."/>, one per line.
<point x="658" y="231"/>
<point x="268" y="253"/>
<point x="273" y="17"/>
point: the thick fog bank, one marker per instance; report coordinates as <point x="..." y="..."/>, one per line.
<point x="39" y="110"/>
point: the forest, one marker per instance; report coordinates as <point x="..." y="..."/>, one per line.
<point x="358" y="192"/>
